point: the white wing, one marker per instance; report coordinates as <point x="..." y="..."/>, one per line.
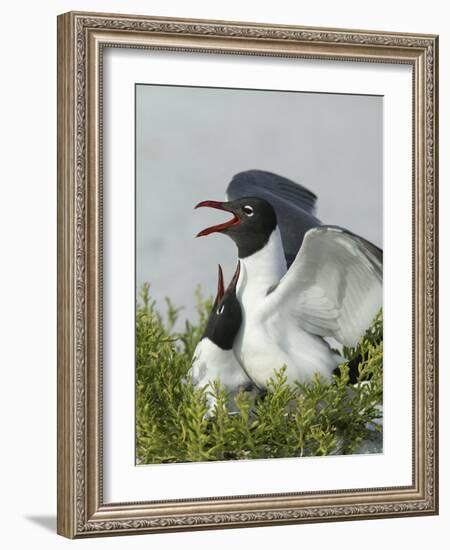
<point x="333" y="287"/>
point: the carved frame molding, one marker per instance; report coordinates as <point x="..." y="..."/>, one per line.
<point x="81" y="38"/>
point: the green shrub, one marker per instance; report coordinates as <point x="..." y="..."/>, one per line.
<point x="317" y="418"/>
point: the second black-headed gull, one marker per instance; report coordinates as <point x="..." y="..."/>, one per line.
<point x="214" y="358"/>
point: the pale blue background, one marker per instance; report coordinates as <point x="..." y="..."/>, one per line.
<point x="191" y="141"/>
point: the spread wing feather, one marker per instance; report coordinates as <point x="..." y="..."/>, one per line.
<point x="333" y="287"/>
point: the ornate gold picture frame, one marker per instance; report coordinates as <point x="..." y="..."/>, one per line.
<point x="82" y="41"/>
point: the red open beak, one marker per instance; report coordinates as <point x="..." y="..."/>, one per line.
<point x="235" y="279"/>
<point x="221" y="226"/>
<point x="220" y="288"/>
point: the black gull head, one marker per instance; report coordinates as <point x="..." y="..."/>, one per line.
<point x="225" y="318"/>
<point x="253" y="222"/>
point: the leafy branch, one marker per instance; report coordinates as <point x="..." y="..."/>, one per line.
<point x="320" y="417"/>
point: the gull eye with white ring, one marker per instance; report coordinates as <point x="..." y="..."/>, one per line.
<point x="248" y="210"/>
<point x="220" y="309"/>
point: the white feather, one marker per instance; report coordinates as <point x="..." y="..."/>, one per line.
<point x="332" y="289"/>
<point x="210" y="363"/>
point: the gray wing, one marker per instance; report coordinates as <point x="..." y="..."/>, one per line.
<point x="374" y="250"/>
<point x="294" y="205"/>
<point x="333" y="288"/>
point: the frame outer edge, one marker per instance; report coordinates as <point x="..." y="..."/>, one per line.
<point x="435" y="219"/>
<point x="76" y="502"/>
<point x="436" y="319"/>
<point x="66" y="523"/>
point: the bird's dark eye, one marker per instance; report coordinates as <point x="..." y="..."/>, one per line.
<point x="220" y="309"/>
<point x="248" y="210"/>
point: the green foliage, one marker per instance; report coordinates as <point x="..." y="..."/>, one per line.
<point x="316" y="418"/>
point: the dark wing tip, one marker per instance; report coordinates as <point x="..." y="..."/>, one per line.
<point x="373" y="252"/>
<point x="270" y="185"/>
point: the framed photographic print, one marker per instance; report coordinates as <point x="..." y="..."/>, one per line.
<point x="247" y="287"/>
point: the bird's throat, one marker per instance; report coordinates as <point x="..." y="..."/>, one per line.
<point x="262" y="270"/>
